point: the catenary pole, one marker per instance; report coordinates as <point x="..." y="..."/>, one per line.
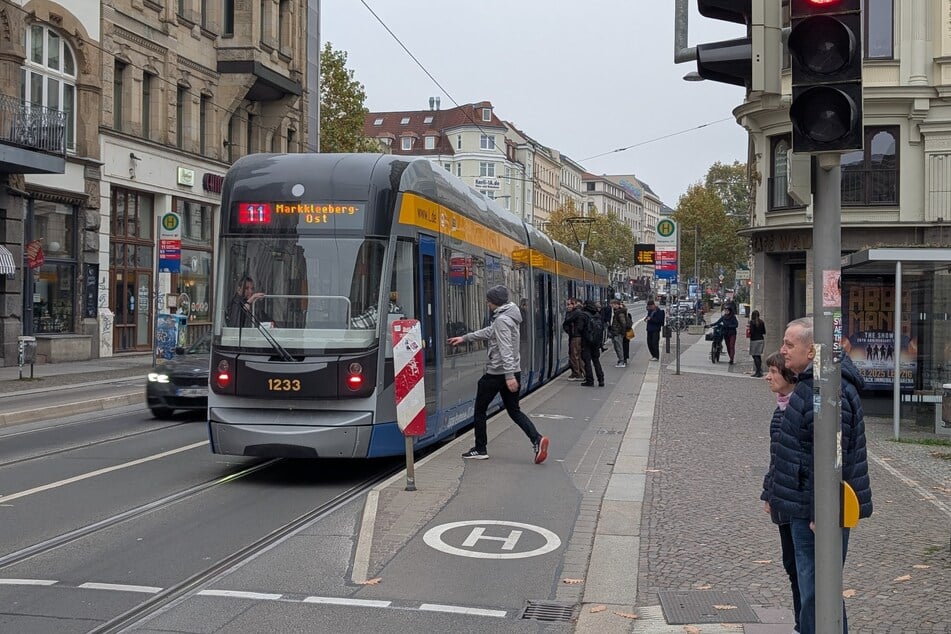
<point x="827" y="427"/>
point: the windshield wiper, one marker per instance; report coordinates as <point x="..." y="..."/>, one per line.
<point x="281" y="351"/>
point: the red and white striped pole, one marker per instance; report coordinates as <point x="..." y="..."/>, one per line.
<point x="408" y="386"/>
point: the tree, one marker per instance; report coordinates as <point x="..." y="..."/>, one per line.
<point x="610" y="242"/>
<point x="342" y="109"/>
<point x="731" y="184"/>
<point x="720" y="248"/>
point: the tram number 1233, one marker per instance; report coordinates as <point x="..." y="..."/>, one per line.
<point x="283" y="385"/>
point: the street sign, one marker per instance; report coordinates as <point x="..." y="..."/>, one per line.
<point x="170" y="243"/>
<point x="408" y="386"/>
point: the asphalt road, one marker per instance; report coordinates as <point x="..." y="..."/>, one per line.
<point x="67" y="482"/>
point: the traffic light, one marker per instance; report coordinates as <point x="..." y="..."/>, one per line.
<point x="752" y="61"/>
<point x="825" y="43"/>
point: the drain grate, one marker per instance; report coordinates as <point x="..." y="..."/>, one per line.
<point x="705" y="606"/>
<point x="548" y="611"/>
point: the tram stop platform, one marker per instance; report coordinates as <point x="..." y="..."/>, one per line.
<point x="645" y="518"/>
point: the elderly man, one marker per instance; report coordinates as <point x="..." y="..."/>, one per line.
<point x="794" y="476"/>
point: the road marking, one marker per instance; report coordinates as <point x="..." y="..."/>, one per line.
<point x="433" y="539"/>
<point x="455" y="609"/>
<point x="120" y="587"/>
<point x="239" y="594"/>
<point x="365" y="603"/>
<point x="924" y="493"/>
<point x="98" y="472"/>
<point x="27" y="582"/>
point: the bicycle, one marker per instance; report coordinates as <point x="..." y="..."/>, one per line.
<point x="716" y="348"/>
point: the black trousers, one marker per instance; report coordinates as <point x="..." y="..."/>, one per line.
<point x="592" y="355"/>
<point x="490" y="385"/>
<point x="653" y="344"/>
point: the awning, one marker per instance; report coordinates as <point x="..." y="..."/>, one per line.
<point x="8" y="265"/>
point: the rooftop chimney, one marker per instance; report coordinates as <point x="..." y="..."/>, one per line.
<point x="437" y="103"/>
<point x="431" y="102"/>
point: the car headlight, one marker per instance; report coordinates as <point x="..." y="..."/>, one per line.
<point x="157" y="377"/>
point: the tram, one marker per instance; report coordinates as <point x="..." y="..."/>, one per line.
<point x="319" y="253"/>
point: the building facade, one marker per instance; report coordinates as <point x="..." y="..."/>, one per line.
<point x="50" y="100"/>
<point x="896" y="192"/>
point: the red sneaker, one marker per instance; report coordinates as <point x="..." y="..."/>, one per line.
<point x="541" y="450"/>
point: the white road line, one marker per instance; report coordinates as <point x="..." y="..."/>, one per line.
<point x="98" y="472"/>
<point x="924" y="493"/>
<point x="120" y="587"/>
<point x="456" y="609"/>
<point x="361" y="555"/>
<point x="239" y="594"/>
<point x="366" y="603"/>
<point x="27" y="582"/>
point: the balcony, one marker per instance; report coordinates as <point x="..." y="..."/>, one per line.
<point x="32" y="138"/>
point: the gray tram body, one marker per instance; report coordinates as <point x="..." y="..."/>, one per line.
<point x="408" y="230"/>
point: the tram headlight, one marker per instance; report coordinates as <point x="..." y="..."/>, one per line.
<point x="223" y="375"/>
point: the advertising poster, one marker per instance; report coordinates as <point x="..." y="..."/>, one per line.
<point x="869" y="332"/>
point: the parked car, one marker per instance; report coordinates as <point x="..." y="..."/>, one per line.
<point x="181" y="382"/>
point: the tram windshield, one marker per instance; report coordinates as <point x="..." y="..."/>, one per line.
<point x="306" y="293"/>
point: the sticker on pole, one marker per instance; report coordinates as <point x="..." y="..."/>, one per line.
<point x="408" y="371"/>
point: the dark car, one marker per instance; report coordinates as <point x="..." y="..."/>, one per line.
<point x="181" y="382"/>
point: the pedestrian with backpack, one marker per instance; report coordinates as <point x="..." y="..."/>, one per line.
<point x="591" y="343"/>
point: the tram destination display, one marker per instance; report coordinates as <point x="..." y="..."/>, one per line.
<point x="299" y="216"/>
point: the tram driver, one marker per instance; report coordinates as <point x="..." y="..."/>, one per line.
<point x="238" y="314"/>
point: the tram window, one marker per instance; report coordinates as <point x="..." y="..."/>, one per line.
<point x="465" y="306"/>
<point x="402" y="295"/>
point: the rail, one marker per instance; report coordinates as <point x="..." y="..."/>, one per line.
<point x="31" y="126"/>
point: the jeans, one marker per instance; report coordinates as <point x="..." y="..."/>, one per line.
<point x="618" y="341"/>
<point x="804" y="542"/>
<point x="489" y="386"/>
<point x="789" y="564"/>
<point x="592" y="354"/>
<point x="574" y="357"/>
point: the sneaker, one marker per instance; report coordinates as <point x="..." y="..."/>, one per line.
<point x="574" y="378"/>
<point x="601" y="384"/>
<point x="541" y="450"/>
<point x="623" y="364"/>
<point x="654" y="359"/>
<point x="618" y="365"/>
<point x="586" y="384"/>
<point x="475" y="454"/>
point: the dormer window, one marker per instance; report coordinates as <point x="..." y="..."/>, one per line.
<point x="487" y="114"/>
<point x="430" y="142"/>
<point x="406" y="143"/>
<point x="427" y="119"/>
<point x="404" y="121"/>
<point x="378" y="121"/>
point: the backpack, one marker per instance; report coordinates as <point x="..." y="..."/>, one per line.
<point x="593" y="330"/>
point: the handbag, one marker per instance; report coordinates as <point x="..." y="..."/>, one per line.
<point x="630" y="333"/>
<point x="747" y="331"/>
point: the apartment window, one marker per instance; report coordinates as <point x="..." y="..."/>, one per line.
<point x="147" y="84"/>
<point x="203" y="124"/>
<point x="180" y="96"/>
<point x="427" y="119"/>
<point x="589" y="187"/>
<point x="181" y="8"/>
<point x="404" y="121"/>
<point x="486" y="169"/>
<point x="430" y="142"/>
<point x="48" y="77"/>
<point x="117" y="89"/>
<point x="870" y="176"/>
<point x="227" y="27"/>
<point x="284" y="24"/>
<point x="458" y="141"/>
<point x="448" y="167"/>
<point x="378" y="121"/>
<point x="264" y="21"/>
<point x="879" y="29"/>
<point x="779" y="179"/>
<point x="232" y="136"/>
<point x="406" y="143"/>
<point x="203" y="9"/>
<point x="487" y="141"/>
<point x="291" y="140"/>
<point x="458" y="169"/>
<point x="487" y="114"/>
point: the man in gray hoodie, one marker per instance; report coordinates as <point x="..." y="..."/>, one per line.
<point x="502" y="373"/>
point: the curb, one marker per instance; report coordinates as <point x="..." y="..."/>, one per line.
<point x="67" y="409"/>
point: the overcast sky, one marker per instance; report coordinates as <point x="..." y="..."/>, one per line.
<point x="583" y="77"/>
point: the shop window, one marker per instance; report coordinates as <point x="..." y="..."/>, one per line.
<point x="193" y="282"/>
<point x="54" y="282"/>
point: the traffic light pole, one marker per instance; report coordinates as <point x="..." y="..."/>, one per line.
<point x="827" y="427"/>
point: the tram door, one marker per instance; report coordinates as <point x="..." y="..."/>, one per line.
<point x="428" y="315"/>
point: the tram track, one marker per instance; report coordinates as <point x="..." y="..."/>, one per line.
<point x="173" y="594"/>
<point x="58" y="541"/>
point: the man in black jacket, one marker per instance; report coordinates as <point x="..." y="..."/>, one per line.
<point x="574" y="325"/>
<point x="794" y="477"/>
<point x="655" y="322"/>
